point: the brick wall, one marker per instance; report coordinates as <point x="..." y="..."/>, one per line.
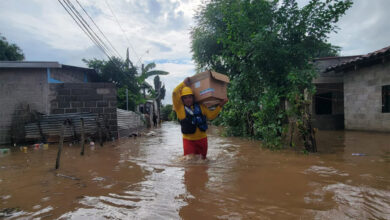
<point x="85" y="97"/>
<point x="363" y="98"/>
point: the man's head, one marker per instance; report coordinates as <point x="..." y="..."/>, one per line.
<point x="187" y="96"/>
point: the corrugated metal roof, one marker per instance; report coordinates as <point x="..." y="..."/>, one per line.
<point x="39" y="64"/>
<point x="360" y="59"/>
<point x="44" y="64"/>
<point x="29" y="64"/>
<point x="128" y="122"/>
<point x="51" y="125"/>
<point x="323" y="63"/>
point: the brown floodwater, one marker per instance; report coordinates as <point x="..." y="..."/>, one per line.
<point x="147" y="178"/>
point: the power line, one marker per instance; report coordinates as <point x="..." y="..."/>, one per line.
<point x="78" y="24"/>
<point x="120" y="26"/>
<point x="98" y="28"/>
<point x="88" y="28"/>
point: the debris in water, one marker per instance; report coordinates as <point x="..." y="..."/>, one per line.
<point x="151" y="133"/>
<point x="358" y="154"/>
<point x="23" y="149"/>
<point x="6" y="197"/>
<point x="45" y="199"/>
<point x="36" y="207"/>
<point x="5" y="151"/>
<point x="66" y="176"/>
<point x="8" y="211"/>
<point x="98" y="179"/>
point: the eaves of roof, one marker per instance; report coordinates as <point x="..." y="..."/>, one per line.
<point x="361" y="59"/>
<point x="29" y="64"/>
<point x="42" y="64"/>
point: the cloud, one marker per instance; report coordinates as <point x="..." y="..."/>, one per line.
<point x="364" y="28"/>
<point x="177" y="73"/>
<point x="162" y="47"/>
<point x="155" y="31"/>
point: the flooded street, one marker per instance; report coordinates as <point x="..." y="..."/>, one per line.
<point x="147" y="178"/>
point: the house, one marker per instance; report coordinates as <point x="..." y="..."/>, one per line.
<point x="52" y="88"/>
<point x="353" y="92"/>
<point x="149" y="109"/>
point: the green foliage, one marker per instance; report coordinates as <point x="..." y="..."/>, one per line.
<point x="172" y="116"/>
<point x="146" y="72"/>
<point x="265" y="47"/>
<point x="125" y="76"/>
<point x="9" y="52"/>
<point x="160" y="92"/>
<point x="166" y="112"/>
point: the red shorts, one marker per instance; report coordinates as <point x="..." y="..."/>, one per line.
<point x="195" y="147"/>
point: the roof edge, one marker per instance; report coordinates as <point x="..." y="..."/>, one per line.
<point x="29" y="64"/>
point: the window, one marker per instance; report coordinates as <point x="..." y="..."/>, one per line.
<point x="323" y="103"/>
<point x="386" y="99"/>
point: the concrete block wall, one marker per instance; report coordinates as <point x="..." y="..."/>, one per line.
<point x="85" y="97"/>
<point x="363" y="98"/>
<point x="19" y="88"/>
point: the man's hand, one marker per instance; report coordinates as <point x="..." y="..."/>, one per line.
<point x="187" y="81"/>
<point x="223" y="102"/>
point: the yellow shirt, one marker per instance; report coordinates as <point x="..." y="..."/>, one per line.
<point x="178" y="107"/>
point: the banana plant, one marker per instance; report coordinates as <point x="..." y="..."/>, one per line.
<point x="146" y="72"/>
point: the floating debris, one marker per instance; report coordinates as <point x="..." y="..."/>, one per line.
<point x="358" y="154"/>
<point x="66" y="176"/>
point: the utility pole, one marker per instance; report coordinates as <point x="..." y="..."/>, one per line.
<point x="127" y="99"/>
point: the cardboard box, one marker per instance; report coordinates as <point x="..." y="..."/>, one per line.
<point x="209" y="87"/>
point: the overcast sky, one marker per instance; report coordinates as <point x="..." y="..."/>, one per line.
<point x="155" y="31"/>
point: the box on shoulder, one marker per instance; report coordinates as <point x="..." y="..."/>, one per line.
<point x="209" y="87"/>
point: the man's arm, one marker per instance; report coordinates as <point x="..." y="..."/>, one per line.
<point x="178" y="106"/>
<point x="213" y="114"/>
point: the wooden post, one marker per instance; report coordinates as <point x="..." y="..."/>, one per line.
<point x="75" y="139"/>
<point x="100" y="131"/>
<point x="82" y="137"/>
<point x="292" y="127"/>
<point x="60" y="144"/>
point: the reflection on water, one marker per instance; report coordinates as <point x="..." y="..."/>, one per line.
<point x="148" y="178"/>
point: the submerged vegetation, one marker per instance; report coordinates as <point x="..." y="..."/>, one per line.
<point x="266" y="47"/>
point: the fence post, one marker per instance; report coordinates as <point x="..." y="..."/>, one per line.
<point x="82" y="137"/>
<point x="61" y="143"/>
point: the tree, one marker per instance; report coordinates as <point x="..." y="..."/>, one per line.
<point x="160" y="93"/>
<point x="146" y="72"/>
<point x="166" y="112"/>
<point x="9" y="52"/>
<point x="123" y="74"/>
<point x="266" y="48"/>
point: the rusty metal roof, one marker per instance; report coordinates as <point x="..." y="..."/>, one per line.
<point x="361" y="59"/>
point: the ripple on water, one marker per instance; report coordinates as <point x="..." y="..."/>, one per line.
<point x="324" y="171"/>
<point x="357" y="202"/>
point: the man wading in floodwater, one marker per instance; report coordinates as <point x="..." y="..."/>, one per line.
<point x="193" y="119"/>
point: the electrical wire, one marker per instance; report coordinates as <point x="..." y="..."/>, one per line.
<point x="120" y="26"/>
<point x="88" y="28"/>
<point x="99" y="29"/>
<point x="97" y="41"/>
<point x="80" y="26"/>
